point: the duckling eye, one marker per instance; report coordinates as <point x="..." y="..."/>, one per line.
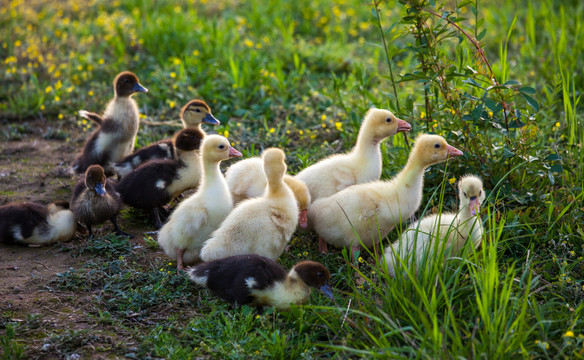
<point x="465" y="195"/>
<point x="319" y="274"/>
<point x="437" y="146"/>
<point x="221" y="147"/>
<point x="198" y="110"/>
<point x="388" y="120"/>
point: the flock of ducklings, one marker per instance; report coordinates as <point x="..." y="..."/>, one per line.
<point x="238" y="224"/>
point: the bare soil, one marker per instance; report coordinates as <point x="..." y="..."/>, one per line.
<point x="37" y="169"/>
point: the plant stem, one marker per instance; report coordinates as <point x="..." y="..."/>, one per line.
<point x="376" y="5"/>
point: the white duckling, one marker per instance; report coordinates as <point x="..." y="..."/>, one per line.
<point x="246" y="179"/>
<point x="262" y="225"/>
<point x="370" y="211"/>
<point x="361" y="165"/>
<point x="456" y="229"/>
<point x="259" y="281"/>
<point x="118" y="127"/>
<point x="29" y="223"/>
<point x="195" y="218"/>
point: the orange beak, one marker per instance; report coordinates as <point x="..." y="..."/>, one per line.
<point x="403" y="126"/>
<point x="233" y="152"/>
<point x="453" y="152"/>
<point x="303" y="219"/>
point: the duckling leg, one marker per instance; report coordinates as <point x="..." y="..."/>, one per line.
<point x="322" y="247"/>
<point x="156" y="217"/>
<point x="91" y="235"/>
<point x="118" y="230"/>
<point x="179" y="259"/>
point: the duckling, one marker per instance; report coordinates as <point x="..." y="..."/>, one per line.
<point x="259" y="281"/>
<point x="196" y="217"/>
<point x="369" y="211"/>
<point x="118" y="127"/>
<point x="155" y="183"/>
<point x="95" y="200"/>
<point x="455" y="229"/>
<point x="246" y="179"/>
<point x="29" y="223"/>
<point x="262" y="225"/>
<point x="192" y="115"/>
<point x="362" y="164"/>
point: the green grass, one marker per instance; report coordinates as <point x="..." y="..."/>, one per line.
<point x="300" y="75"/>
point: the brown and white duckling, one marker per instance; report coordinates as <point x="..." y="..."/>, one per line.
<point x="196" y="217"/>
<point x="29" y="223"/>
<point x="370" y="211"/>
<point x="157" y="182"/>
<point x="246" y="179"/>
<point x="256" y="280"/>
<point x="361" y="165"/>
<point x="118" y="127"/>
<point x="261" y="225"/>
<point x="192" y="115"/>
<point x="455" y="229"/>
<point x="95" y="200"/>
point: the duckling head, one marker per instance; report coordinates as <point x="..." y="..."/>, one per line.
<point x="188" y="139"/>
<point x="471" y="193"/>
<point x="126" y="84"/>
<point x="274" y="164"/>
<point x="196" y="112"/>
<point x="316" y="276"/>
<point x="95" y="179"/>
<point x="302" y="196"/>
<point x="216" y="148"/>
<point x="432" y="149"/>
<point x="383" y="123"/>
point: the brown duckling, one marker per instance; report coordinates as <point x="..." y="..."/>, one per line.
<point x="192" y="115"/>
<point x="29" y="223"/>
<point x="118" y="127"/>
<point x="259" y="281"/>
<point x="95" y="200"/>
<point x="155" y="183"/>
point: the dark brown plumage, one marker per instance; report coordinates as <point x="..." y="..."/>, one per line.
<point x="118" y="127"/>
<point x="155" y="183"/>
<point x="259" y="281"/>
<point x="95" y="200"/>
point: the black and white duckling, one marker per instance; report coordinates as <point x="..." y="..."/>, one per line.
<point x="155" y="183"/>
<point x="258" y="281"/>
<point x="29" y="223"/>
<point x="192" y="115"/>
<point x="118" y="127"/>
<point x="95" y="200"/>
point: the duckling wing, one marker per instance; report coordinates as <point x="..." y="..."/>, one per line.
<point x="197" y="219"/>
<point x="343" y="178"/>
<point x="280" y="218"/>
<point x="91" y="116"/>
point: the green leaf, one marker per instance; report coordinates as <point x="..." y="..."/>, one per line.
<point x="481" y="35"/>
<point x="557" y="168"/>
<point x="508" y="153"/>
<point x="531" y="101"/>
<point x="527" y="90"/>
<point x="511" y="82"/>
<point x="552" y="157"/>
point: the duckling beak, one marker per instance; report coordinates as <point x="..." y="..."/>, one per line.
<point x="327" y="291"/>
<point x="139" y="88"/>
<point x="210" y="119"/>
<point x="403" y="126"/>
<point x="474" y="205"/>
<point x="303" y="218"/>
<point x="99" y="189"/>
<point x="453" y="152"/>
<point x="233" y="152"/>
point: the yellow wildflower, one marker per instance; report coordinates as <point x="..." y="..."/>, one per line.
<point x="101" y="61"/>
<point x="452" y="180"/>
<point x="323" y="117"/>
<point x="17" y="43"/>
<point x="248" y="43"/>
<point x="569" y="333"/>
<point x="173" y="75"/>
<point x="226" y="133"/>
<point x="171" y="104"/>
<point x="339" y="125"/>
<point x="90" y="93"/>
<point x="272" y="130"/>
<point x="48" y="89"/>
<point x="60" y="116"/>
<point x="361" y="259"/>
<point x="423" y="115"/>
<point x="196" y="53"/>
